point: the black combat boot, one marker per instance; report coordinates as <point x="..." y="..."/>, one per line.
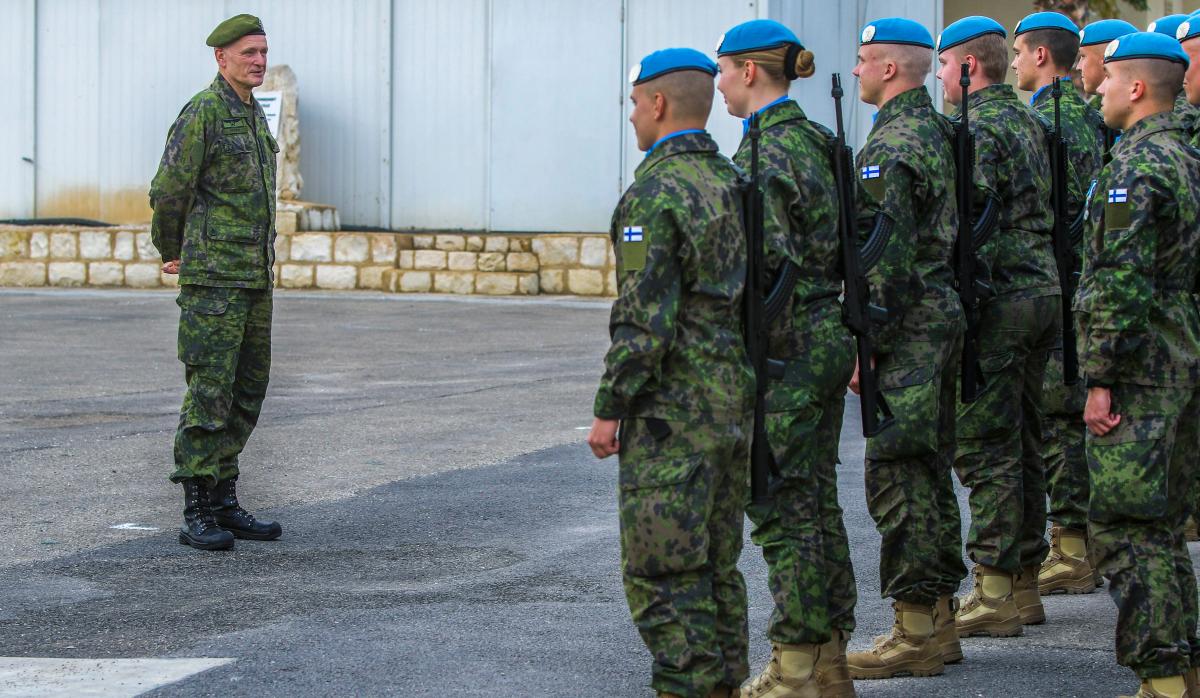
<point x="199" y="529"/>
<point x="233" y="518"/>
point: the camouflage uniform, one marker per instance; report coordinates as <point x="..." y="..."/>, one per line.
<point x="801" y="530"/>
<point x="1062" y="405"/>
<point x="1139" y="334"/>
<point x="999" y="435"/>
<point x="678" y="377"/>
<point x="214" y="209"/>
<point x="1188" y="113"/>
<point x="907" y="170"/>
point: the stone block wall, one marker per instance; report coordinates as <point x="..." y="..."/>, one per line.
<point x="492" y="264"/>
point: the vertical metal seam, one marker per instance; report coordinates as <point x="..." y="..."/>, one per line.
<point x="34" y="126"/>
<point x="489" y="76"/>
<point x="623" y="123"/>
<point x="389" y="165"/>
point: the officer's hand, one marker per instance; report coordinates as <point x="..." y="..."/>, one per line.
<point x="854" y="379"/>
<point x="1097" y="412"/>
<point x="603" y="437"/>
<point x="171" y="267"/>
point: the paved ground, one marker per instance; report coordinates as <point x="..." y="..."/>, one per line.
<point x="446" y="532"/>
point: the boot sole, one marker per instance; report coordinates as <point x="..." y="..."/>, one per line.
<point x="1033" y="617"/>
<point x="952" y="657"/>
<point x="919" y="670"/>
<point x="185" y="539"/>
<point x="1001" y="631"/>
<point x="1069" y="586"/>
<point x="254" y="536"/>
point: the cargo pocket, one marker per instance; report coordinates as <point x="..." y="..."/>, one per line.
<point x="994" y="414"/>
<point x="206" y="333"/>
<point x="235" y="250"/>
<point x="912" y="394"/>
<point x="1128" y="470"/>
<point x="664" y="502"/>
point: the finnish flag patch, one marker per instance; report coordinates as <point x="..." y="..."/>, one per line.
<point x="633" y="233"/>
<point x="1118" y="196"/>
<point x="870" y="172"/>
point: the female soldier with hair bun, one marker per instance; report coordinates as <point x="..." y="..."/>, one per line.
<point x="800" y="529"/>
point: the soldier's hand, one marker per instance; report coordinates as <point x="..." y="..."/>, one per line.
<point x="1097" y="413"/>
<point x="603" y="437"/>
<point x="854" y="380"/>
<point x="171" y="267"/>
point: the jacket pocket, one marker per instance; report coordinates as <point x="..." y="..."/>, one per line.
<point x="233" y="232"/>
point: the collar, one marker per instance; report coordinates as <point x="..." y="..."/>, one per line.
<point x="674" y="134"/>
<point x="996" y="92"/>
<point x="232" y="101"/>
<point x="687" y="141"/>
<point x="1155" y="123"/>
<point x="916" y="98"/>
<point x="1067" y="86"/>
<point x="759" y="113"/>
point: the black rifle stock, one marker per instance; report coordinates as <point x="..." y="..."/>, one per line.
<point x="754" y="318"/>
<point x="969" y="288"/>
<point x="1064" y="254"/>
<point x="858" y="313"/>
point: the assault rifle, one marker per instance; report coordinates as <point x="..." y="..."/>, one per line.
<point x="1064" y="252"/>
<point x="970" y="237"/>
<point x="858" y="313"/>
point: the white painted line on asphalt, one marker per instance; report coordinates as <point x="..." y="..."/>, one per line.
<point x="43" y="677"/>
<point x="134" y="527"/>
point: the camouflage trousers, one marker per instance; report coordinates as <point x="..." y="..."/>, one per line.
<point x="225" y="347"/>
<point x="800" y="529"/>
<point x="682" y="493"/>
<point x="1063" y="433"/>
<point x="999" y="454"/>
<point x="1142" y="476"/>
<point x="910" y="492"/>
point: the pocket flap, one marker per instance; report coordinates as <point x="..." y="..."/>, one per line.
<point x="660" y="472"/>
<point x="202" y="304"/>
<point x="901" y="377"/>
<point x="233" y="232"/>
<point x="272" y="142"/>
<point x="1147" y="428"/>
<point x="995" y="362"/>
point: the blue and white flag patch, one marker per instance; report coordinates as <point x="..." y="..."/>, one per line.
<point x="633" y="233"/>
<point x="1118" y="196"/>
<point x="870" y="172"/>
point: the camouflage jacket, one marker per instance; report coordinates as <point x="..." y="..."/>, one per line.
<point x="906" y="172"/>
<point x="677" y="348"/>
<point x="1189" y="113"/>
<point x="1083" y="129"/>
<point x="799" y="225"/>
<point x="1012" y="164"/>
<point x="1137" y="319"/>
<point x="214" y="194"/>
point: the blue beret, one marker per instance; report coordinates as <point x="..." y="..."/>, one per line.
<point x="1045" y="20"/>
<point x="969" y="28"/>
<point x="1104" y="31"/>
<point x="1145" y="45"/>
<point x="233" y="29"/>
<point x="1167" y="25"/>
<point x="1189" y="29"/>
<point x="896" y="30"/>
<point x="671" y="60"/>
<point x="756" y="35"/>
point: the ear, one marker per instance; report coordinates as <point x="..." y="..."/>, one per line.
<point x="890" y="70"/>
<point x="1137" y="90"/>
<point x="973" y="65"/>
<point x="660" y="106"/>
<point x="1041" y="56"/>
<point x="749" y="72"/>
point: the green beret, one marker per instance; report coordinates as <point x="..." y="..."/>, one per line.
<point x="233" y="29"/>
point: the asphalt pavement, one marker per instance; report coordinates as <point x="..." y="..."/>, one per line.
<point x="446" y="531"/>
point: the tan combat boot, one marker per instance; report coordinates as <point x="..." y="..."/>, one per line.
<point x="990" y="608"/>
<point x="789" y="674"/>
<point x="944" y="630"/>
<point x="1029" y="601"/>
<point x="833" y="676"/>
<point x="910" y="649"/>
<point x="1067" y="567"/>
<point x="1192" y="680"/>
<point x="1168" y="687"/>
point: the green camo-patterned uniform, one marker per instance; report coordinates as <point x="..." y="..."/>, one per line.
<point x="678" y="377"/>
<point x="214" y="209"/>
<point x="1188" y="113"/>
<point x="801" y="530"/>
<point x="1062" y="405"/>
<point x="907" y="173"/>
<point x="1139" y="333"/>
<point x="1000" y="434"/>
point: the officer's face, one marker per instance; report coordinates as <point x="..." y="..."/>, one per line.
<point x="1091" y="67"/>
<point x="732" y="85"/>
<point x="950" y="73"/>
<point x="244" y="61"/>
<point x="1024" y="64"/>
<point x="870" y="72"/>
<point x="1191" y="79"/>
<point x="642" y="116"/>
<point x="1116" y="90"/>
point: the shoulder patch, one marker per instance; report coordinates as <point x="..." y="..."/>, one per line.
<point x="872" y="180"/>
<point x="1116" y="210"/>
<point x="632" y="248"/>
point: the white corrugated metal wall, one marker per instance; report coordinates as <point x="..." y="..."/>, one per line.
<point x="507" y="115"/>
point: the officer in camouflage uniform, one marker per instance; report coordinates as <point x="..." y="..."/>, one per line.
<point x="679" y="383"/>
<point x="800" y="529"/>
<point x="214" y="224"/>
<point x="1045" y="47"/>
<point x="1139" y="349"/>
<point x="1188" y="34"/>
<point x="1000" y="434"/>
<point x="1188" y="113"/>
<point x="906" y="194"/>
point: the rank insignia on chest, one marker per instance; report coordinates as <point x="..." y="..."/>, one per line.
<point x="633" y="248"/>
<point x="1117" y="210"/>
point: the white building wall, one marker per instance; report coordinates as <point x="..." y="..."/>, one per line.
<point x="17" y="152"/>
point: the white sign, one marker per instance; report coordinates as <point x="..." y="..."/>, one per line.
<point x="272" y="104"/>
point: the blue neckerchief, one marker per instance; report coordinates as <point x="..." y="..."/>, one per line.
<point x="746" y="121"/>
<point x="669" y="136"/>
<point x="1043" y="88"/>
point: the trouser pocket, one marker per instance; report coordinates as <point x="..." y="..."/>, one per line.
<point x="912" y="393"/>
<point x="1128" y="469"/>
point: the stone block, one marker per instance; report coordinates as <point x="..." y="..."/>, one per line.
<point x="491" y="261"/>
<point x="143" y="275"/>
<point x="611" y="287"/>
<point x="454" y="282"/>
<point x="39" y="245"/>
<point x="106" y="274"/>
<point x="372" y="277"/>
<point x="474" y="243"/>
<point x="22" y="273"/>
<point x="403" y="242"/>
<point x="406" y="259"/>
<point x="527" y="284"/>
<point x="66" y="245"/>
<point x="495" y="243"/>
<point x="520" y="245"/>
<point x="416" y="282"/>
<point x="496" y="284"/>
<point x="69" y="274"/>
<point x="422" y="242"/>
<point x="383" y="248"/>
<point x="611" y="261"/>
<point x="169" y="280"/>
<point x="311" y="247"/>
<point x="552" y="281"/>
<point x="450" y="243"/>
<point x="593" y="252"/>
<point x="353" y="249"/>
<point x="13" y="244"/>
<point x="296" y="276"/>
<point x="145" y="247"/>
<point x="429" y="259"/>
<point x="337" y="276"/>
<point x="123" y="246"/>
<point x="462" y="261"/>
<point x="283" y="247"/>
<point x="585" y="282"/>
<point x="286" y="222"/>
<point x="557" y="251"/>
<point x="95" y="244"/>
<point x="522" y="261"/>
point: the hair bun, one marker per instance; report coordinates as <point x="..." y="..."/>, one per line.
<point x="805" y="65"/>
